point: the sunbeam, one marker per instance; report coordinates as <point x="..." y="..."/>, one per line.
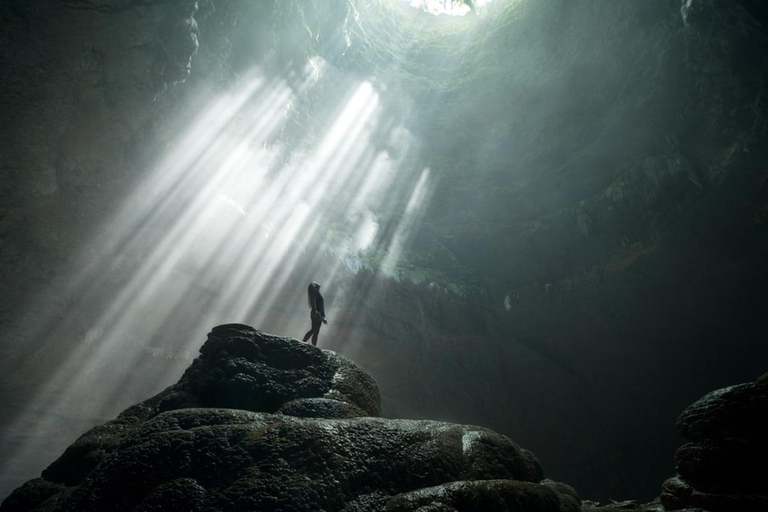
<point x="227" y="211"/>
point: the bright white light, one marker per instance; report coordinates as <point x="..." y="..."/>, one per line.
<point x="315" y="68"/>
<point x="449" y="7"/>
<point x="366" y="232"/>
<point x="412" y="217"/>
<point x="224" y="221"/>
<point x="231" y="204"/>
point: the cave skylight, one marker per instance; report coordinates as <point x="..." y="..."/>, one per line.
<point x="449" y="7"/>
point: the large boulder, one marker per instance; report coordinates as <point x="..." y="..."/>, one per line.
<point x="734" y="412"/>
<point x="260" y="422"/>
<point x="241" y="368"/>
<point x="724" y="467"/>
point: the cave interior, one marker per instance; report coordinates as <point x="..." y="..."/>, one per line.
<point x="548" y="218"/>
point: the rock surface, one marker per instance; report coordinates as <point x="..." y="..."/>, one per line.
<point x="725" y="466"/>
<point x="260" y="422"/>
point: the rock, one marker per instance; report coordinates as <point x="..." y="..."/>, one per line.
<point x="677" y="494"/>
<point x="320" y="408"/>
<point x="730" y="466"/>
<point x="254" y="461"/>
<point x="739" y="412"/>
<point x="241" y="368"/>
<point x="486" y="495"/>
<point x="260" y="422"/>
<point x="567" y="493"/>
<point x="179" y="34"/>
<point x="724" y="468"/>
<point x="534" y="465"/>
<point x="245" y="369"/>
<point x="32" y="493"/>
<point x="618" y="506"/>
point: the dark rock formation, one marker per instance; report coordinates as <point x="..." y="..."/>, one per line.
<point x="725" y="466"/>
<point x="260" y="422"/>
<point x="617" y="506"/>
<point x="733" y="412"/>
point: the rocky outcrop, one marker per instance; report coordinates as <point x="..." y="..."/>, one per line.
<point x="617" y="506"/>
<point x="724" y="466"/>
<point x="261" y="422"/>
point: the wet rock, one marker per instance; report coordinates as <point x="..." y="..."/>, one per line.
<point x="677" y="494"/>
<point x="568" y="494"/>
<point x="320" y="408"/>
<point x="37" y="491"/>
<point x="260" y="422"/>
<point x="617" y="506"/>
<point x="725" y="466"/>
<point x="240" y="368"/>
<point x="728" y="466"/>
<point x="487" y="495"/>
<point x="533" y="464"/>
<point x="243" y="368"/>
<point x="734" y="412"/>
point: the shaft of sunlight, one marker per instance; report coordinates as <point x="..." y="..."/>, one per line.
<point x="221" y="229"/>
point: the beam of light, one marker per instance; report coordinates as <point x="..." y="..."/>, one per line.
<point x="412" y="217"/>
<point x="183" y="178"/>
<point x="337" y="154"/>
<point x="224" y="223"/>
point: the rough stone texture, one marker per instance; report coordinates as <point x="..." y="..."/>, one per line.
<point x="486" y="495"/>
<point x="242" y="368"/>
<point x="223" y="459"/>
<point x="725" y="467"/>
<point x="617" y="506"/>
<point x="169" y="453"/>
<point x="733" y="465"/>
<point x="734" y="412"/>
<point x="676" y="494"/>
<point x="239" y="368"/>
<point x="320" y="408"/>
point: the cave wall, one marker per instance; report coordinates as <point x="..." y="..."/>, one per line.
<point x="598" y="233"/>
<point x="602" y="195"/>
<point x="87" y="95"/>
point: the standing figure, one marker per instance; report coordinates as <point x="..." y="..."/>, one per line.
<point x="317" y="311"/>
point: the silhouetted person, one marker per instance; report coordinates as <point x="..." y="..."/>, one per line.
<point x="317" y="311"/>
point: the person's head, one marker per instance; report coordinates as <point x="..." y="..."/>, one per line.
<point x="312" y="289"/>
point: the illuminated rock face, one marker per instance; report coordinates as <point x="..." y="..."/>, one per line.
<point x="182" y="450"/>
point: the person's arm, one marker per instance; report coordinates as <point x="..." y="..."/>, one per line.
<point x="321" y="306"/>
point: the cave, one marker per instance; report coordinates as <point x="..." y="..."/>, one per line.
<point x="547" y="218"/>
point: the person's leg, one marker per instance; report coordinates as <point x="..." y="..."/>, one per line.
<point x="316" y="323"/>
